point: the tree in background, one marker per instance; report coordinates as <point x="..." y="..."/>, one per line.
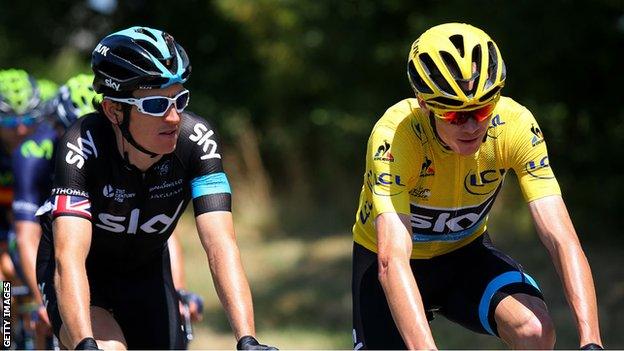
<point x="296" y="85"/>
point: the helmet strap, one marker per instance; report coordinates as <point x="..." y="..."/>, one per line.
<point x="124" y="127"/>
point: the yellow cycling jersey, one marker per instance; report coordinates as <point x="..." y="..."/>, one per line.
<point x="447" y="196"/>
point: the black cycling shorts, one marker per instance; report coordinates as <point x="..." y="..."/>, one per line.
<point x="464" y="286"/>
<point x="143" y="302"/>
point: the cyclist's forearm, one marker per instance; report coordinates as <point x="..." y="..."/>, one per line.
<point x="575" y="273"/>
<point x="28" y="235"/>
<point x="405" y="304"/>
<point x="177" y="262"/>
<point x="557" y="233"/>
<point x="233" y="289"/>
<point x="72" y="291"/>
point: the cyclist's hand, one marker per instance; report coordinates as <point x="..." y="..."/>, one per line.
<point x="42" y="313"/>
<point x="195" y="305"/>
<point x="196" y="311"/>
<point x="43" y="322"/>
<point x="248" y="342"/>
<point x="591" y="346"/>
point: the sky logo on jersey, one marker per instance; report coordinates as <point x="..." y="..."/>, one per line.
<point x="202" y="138"/>
<point x="538" y="137"/>
<point x="31" y="148"/>
<point x="383" y="153"/>
<point x="77" y="154"/>
<point x="68" y="205"/>
<point x="427" y="169"/>
<point x="448" y="224"/>
<point x="130" y="225"/>
<point x="484" y="182"/>
<point x="540" y="169"/>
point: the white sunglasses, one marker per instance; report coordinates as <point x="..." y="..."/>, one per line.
<point x="157" y="105"/>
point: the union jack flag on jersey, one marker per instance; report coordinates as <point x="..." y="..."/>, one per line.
<point x="70" y="205"/>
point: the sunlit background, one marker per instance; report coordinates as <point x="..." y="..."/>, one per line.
<point x="294" y="88"/>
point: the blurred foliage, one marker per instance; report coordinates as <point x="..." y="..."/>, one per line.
<point x="295" y="87"/>
<point x="311" y="78"/>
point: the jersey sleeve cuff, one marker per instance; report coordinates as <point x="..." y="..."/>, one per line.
<point x="211" y="203"/>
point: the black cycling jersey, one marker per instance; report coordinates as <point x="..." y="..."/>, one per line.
<point x="133" y="213"/>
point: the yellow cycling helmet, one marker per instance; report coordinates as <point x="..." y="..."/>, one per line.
<point x="455" y="66"/>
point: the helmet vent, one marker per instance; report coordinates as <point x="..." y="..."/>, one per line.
<point x="458" y="42"/>
<point x="149" y="47"/>
<point x="417" y="82"/>
<point x="435" y="74"/>
<point x="451" y="65"/>
<point x="147" y="32"/>
<point x="446" y="101"/>
<point x="492" y="65"/>
<point x="487" y="96"/>
<point x="476" y="64"/>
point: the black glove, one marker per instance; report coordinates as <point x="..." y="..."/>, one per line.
<point x="591" y="346"/>
<point x="248" y="342"/>
<point x="87" y="344"/>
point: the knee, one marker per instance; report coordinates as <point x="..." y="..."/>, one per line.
<point x="538" y="331"/>
<point x="111" y="345"/>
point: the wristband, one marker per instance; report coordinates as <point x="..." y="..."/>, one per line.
<point x="591" y="346"/>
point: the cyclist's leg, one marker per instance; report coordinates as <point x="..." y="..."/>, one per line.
<point x="106" y="331"/>
<point x="488" y="278"/>
<point x="149" y="312"/>
<point x="523" y="322"/>
<point x="104" y="326"/>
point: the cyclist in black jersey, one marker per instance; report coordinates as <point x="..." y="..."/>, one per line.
<point x="123" y="178"/>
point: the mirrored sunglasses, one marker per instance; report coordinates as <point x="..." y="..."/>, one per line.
<point x="15" y="121"/>
<point x="461" y="117"/>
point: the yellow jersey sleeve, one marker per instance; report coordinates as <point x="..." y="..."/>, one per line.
<point x="529" y="159"/>
<point x="392" y="170"/>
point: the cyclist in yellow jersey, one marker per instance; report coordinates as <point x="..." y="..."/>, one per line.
<point x="434" y="166"/>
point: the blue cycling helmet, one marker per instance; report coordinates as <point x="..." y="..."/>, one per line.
<point x="138" y="58"/>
